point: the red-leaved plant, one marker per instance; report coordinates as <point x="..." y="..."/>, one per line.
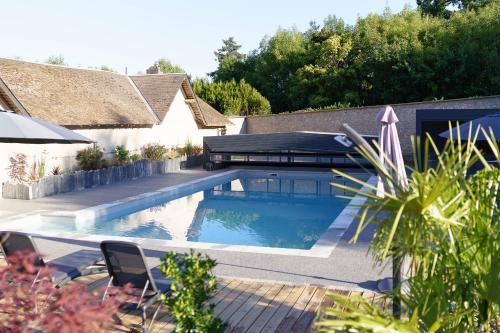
<point x="28" y="306"/>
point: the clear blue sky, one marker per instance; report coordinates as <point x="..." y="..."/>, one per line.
<point x="133" y="34"/>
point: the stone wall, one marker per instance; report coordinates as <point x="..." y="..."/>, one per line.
<point x="361" y="119"/>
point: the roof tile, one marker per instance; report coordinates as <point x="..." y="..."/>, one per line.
<point x="75" y="97"/>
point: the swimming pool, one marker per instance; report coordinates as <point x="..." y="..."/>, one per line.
<point x="283" y="209"/>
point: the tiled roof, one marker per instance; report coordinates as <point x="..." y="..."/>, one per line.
<point x="73" y="96"/>
<point x="213" y="118"/>
<point x="159" y="90"/>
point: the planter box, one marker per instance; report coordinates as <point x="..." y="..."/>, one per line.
<point x="80" y="180"/>
<point x="192" y="162"/>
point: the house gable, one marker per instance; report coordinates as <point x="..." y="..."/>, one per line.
<point x="178" y="126"/>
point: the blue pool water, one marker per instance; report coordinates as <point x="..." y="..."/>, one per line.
<point x="286" y="210"/>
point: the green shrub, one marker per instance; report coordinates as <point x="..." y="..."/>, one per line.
<point x="190" y="150"/>
<point x="173" y="153"/>
<point x="91" y="158"/>
<point x="154" y="151"/>
<point x="122" y="155"/>
<point x="135" y="157"/>
<point x="41" y="168"/>
<point x="192" y="286"/>
<point x="197" y="150"/>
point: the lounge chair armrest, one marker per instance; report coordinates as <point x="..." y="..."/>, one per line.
<point x="151" y="301"/>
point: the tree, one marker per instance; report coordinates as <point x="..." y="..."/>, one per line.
<point x="232" y="98"/>
<point x="443" y="8"/>
<point x="56" y="60"/>
<point x="383" y="58"/>
<point x="106" y="68"/>
<point x="166" y="66"/>
<point x="278" y="59"/>
<point x="229" y="49"/>
<point x="229" y="59"/>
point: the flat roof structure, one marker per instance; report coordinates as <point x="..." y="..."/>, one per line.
<point x="293" y="148"/>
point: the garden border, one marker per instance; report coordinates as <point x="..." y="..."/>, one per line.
<point x="81" y="180"/>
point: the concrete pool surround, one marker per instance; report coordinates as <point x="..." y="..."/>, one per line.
<point x="321" y="249"/>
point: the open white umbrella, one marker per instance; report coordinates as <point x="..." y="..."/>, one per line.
<point x="390" y="148"/>
<point x="15" y="128"/>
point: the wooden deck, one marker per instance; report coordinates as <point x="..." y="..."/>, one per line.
<point x="247" y="306"/>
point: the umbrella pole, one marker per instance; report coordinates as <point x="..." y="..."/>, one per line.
<point x="396" y="284"/>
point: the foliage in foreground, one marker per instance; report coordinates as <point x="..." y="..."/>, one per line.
<point x="29" y="306"/>
<point x="447" y="225"/>
<point x="192" y="286"/>
<point x="356" y="314"/>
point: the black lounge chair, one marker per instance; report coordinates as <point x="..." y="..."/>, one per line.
<point x="64" y="269"/>
<point x="126" y="264"/>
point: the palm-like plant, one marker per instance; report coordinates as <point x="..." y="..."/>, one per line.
<point x="446" y="223"/>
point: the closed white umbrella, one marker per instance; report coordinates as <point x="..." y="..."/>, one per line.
<point x="391" y="156"/>
<point x="390" y="149"/>
<point x="15" y="128"/>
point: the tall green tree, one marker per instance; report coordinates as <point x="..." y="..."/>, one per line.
<point x="383" y="58"/>
<point x="230" y="49"/>
<point x="277" y="60"/>
<point x="232" y="98"/>
<point x="444" y="8"/>
<point x="56" y="60"/>
<point x="229" y="58"/>
<point x="106" y="68"/>
<point x="166" y="66"/>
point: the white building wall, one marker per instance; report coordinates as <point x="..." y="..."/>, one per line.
<point x="239" y="125"/>
<point x="177" y="127"/>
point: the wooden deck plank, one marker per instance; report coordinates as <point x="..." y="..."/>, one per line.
<point x="239" y="301"/>
<point x="269" y="311"/>
<point x="224" y="292"/>
<point x="247" y="306"/>
<point x="295" y="312"/>
<point x="230" y="298"/>
<point x="284" y="308"/>
<point x="257" y="309"/>
<point x="303" y="323"/>
<point x="165" y="322"/>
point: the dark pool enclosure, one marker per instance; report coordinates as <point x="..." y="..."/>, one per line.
<point x="281" y="149"/>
